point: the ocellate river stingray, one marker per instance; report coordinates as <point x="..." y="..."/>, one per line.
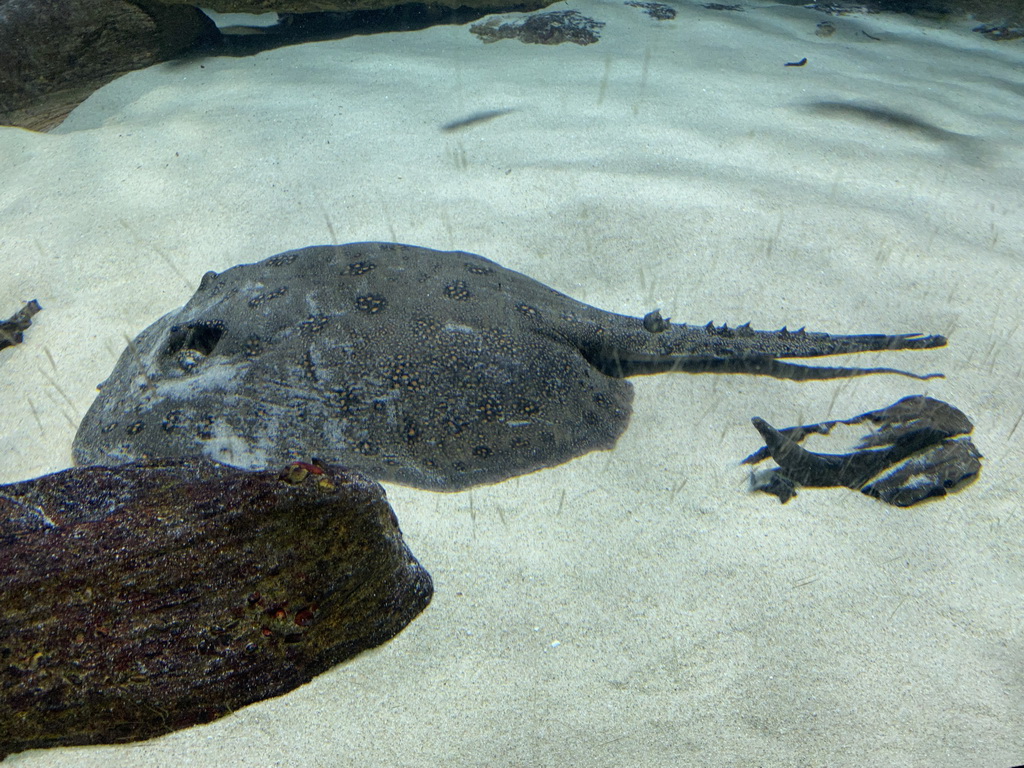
<point x="439" y="370"/>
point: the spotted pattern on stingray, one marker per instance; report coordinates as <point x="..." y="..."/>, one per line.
<point x="440" y="370"/>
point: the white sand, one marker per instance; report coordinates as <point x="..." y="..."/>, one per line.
<point x="636" y="607"/>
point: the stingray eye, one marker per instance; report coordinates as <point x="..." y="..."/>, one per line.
<point x="190" y="344"/>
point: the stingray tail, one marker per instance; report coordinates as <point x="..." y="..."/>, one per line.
<point x="720" y="349"/>
<point x="800" y="343"/>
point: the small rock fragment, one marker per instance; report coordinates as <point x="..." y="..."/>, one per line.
<point x="11" y="330"/>
<point x="911" y="454"/>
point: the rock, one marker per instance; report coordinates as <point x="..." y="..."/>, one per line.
<point x="313" y="6"/>
<point x="142" y="599"/>
<point x="12" y="330"/>
<point x="551" y="28"/>
<point x="911" y="452"/>
<point x="55" y="53"/>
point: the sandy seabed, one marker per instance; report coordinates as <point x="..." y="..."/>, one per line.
<point x="637" y="607"/>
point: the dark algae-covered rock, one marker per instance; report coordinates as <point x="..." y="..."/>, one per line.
<point x="551" y="28"/>
<point x="657" y="11"/>
<point x="913" y="451"/>
<point x="440" y="370"/>
<point x="145" y="598"/>
<point x="55" y="53"/>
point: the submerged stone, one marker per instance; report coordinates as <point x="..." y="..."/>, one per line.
<point x="915" y="449"/>
<point x="145" y="598"/>
<point x="12" y="329"/>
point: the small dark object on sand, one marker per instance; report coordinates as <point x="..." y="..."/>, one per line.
<point x="912" y="454"/>
<point x="11" y="329"/>
<point x="474" y="119"/>
<point x="141" y="599"/>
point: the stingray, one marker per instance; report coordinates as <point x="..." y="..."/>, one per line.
<point x="439" y="370"/>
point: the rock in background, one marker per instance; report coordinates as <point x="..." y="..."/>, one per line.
<point x="55" y="53"/>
